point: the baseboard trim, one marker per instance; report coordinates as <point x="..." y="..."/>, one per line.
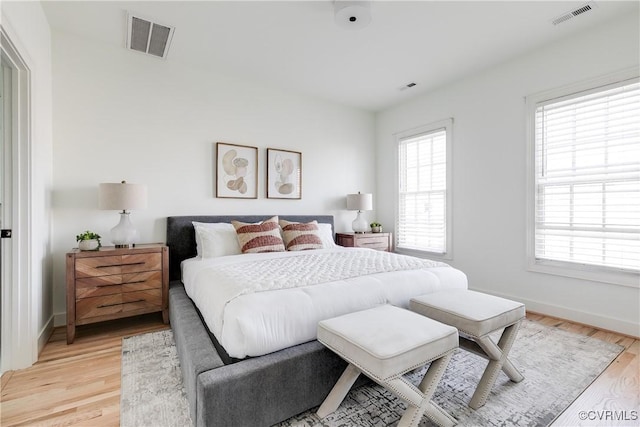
<point x="601" y="322"/>
<point x="60" y="319"/>
<point x="45" y="334"/>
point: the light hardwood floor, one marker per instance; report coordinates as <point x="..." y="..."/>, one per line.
<point x="79" y="384"/>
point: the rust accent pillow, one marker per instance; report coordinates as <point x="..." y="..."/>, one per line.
<point x="260" y="237"/>
<point x="300" y="236"/>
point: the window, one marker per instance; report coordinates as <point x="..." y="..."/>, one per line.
<point x="423" y="210"/>
<point x="586" y="203"/>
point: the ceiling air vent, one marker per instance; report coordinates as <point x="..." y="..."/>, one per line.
<point x="408" y="86"/>
<point x="148" y="37"/>
<point x="575" y="12"/>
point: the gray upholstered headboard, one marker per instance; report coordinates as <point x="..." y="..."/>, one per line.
<point x="181" y="237"/>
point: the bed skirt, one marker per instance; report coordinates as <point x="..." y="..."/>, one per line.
<point x="258" y="391"/>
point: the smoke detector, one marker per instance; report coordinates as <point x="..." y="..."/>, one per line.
<point x="352" y="15"/>
<point x="148" y="37"/>
<point x="587" y="7"/>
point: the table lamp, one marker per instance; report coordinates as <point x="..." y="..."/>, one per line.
<point x="360" y="202"/>
<point x="125" y="197"/>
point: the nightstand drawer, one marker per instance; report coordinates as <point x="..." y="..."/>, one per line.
<point x="118" y="303"/>
<point x="109" y="265"/>
<point x="376" y="242"/>
<point x="117" y="283"/>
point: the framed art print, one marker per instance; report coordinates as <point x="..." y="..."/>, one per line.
<point x="284" y="174"/>
<point x="236" y="171"/>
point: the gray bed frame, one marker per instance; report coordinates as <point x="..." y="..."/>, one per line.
<point x="258" y="391"/>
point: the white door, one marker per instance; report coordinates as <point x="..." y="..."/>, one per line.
<point x="16" y="343"/>
<point x="18" y="336"/>
<point x="1" y="199"/>
<point x="5" y="197"/>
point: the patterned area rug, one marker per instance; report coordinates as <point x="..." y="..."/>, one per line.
<point x="151" y="392"/>
<point x="557" y="366"/>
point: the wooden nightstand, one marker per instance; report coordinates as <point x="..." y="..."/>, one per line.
<point x="379" y="241"/>
<point x="114" y="282"/>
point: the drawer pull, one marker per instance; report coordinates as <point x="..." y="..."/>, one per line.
<point x="120" y="284"/>
<point x="119" y="303"/>
<point x="135" y="281"/>
<point x="121" y="265"/>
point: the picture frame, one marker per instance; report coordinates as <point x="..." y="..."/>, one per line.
<point x="284" y="174"/>
<point x="236" y="171"/>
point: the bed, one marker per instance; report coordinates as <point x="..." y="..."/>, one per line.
<point x="251" y="385"/>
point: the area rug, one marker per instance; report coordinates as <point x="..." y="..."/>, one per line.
<point x="557" y="366"/>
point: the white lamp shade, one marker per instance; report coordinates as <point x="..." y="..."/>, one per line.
<point x="360" y="202"/>
<point x="122" y="196"/>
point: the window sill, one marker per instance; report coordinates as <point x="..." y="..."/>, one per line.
<point x="424" y="254"/>
<point x="585" y="272"/>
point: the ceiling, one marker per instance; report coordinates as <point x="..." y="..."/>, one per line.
<point x="297" y="45"/>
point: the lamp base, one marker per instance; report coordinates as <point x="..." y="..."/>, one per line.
<point x="359" y="225"/>
<point x="124" y="234"/>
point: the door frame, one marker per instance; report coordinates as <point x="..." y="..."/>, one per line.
<point x="19" y="337"/>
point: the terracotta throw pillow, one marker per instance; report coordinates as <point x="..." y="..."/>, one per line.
<point x="299" y="236"/>
<point x="260" y="237"/>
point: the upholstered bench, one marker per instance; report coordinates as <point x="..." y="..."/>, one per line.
<point x="476" y="315"/>
<point x="385" y="343"/>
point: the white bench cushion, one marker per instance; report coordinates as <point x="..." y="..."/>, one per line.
<point x="387" y="341"/>
<point x="473" y="313"/>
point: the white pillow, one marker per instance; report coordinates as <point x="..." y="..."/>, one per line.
<point x="326" y="235"/>
<point x="216" y="239"/>
<point x="195" y="227"/>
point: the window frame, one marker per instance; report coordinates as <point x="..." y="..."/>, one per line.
<point x="447" y="125"/>
<point x="576" y="270"/>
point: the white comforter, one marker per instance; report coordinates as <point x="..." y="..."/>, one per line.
<point x="259" y="303"/>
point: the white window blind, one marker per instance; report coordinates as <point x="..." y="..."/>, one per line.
<point x="422" y="202"/>
<point x="587" y="178"/>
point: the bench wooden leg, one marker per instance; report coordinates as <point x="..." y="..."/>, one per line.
<point x="339" y="391"/>
<point x="498" y="360"/>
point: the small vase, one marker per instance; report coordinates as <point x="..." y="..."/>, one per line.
<point x="88" y="245"/>
<point x="376" y="229"/>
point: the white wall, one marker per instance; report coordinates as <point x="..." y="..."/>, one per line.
<point x="28" y="29"/>
<point x="122" y="115"/>
<point x="489" y="152"/>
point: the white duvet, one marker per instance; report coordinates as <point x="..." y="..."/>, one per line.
<point x="260" y="303"/>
